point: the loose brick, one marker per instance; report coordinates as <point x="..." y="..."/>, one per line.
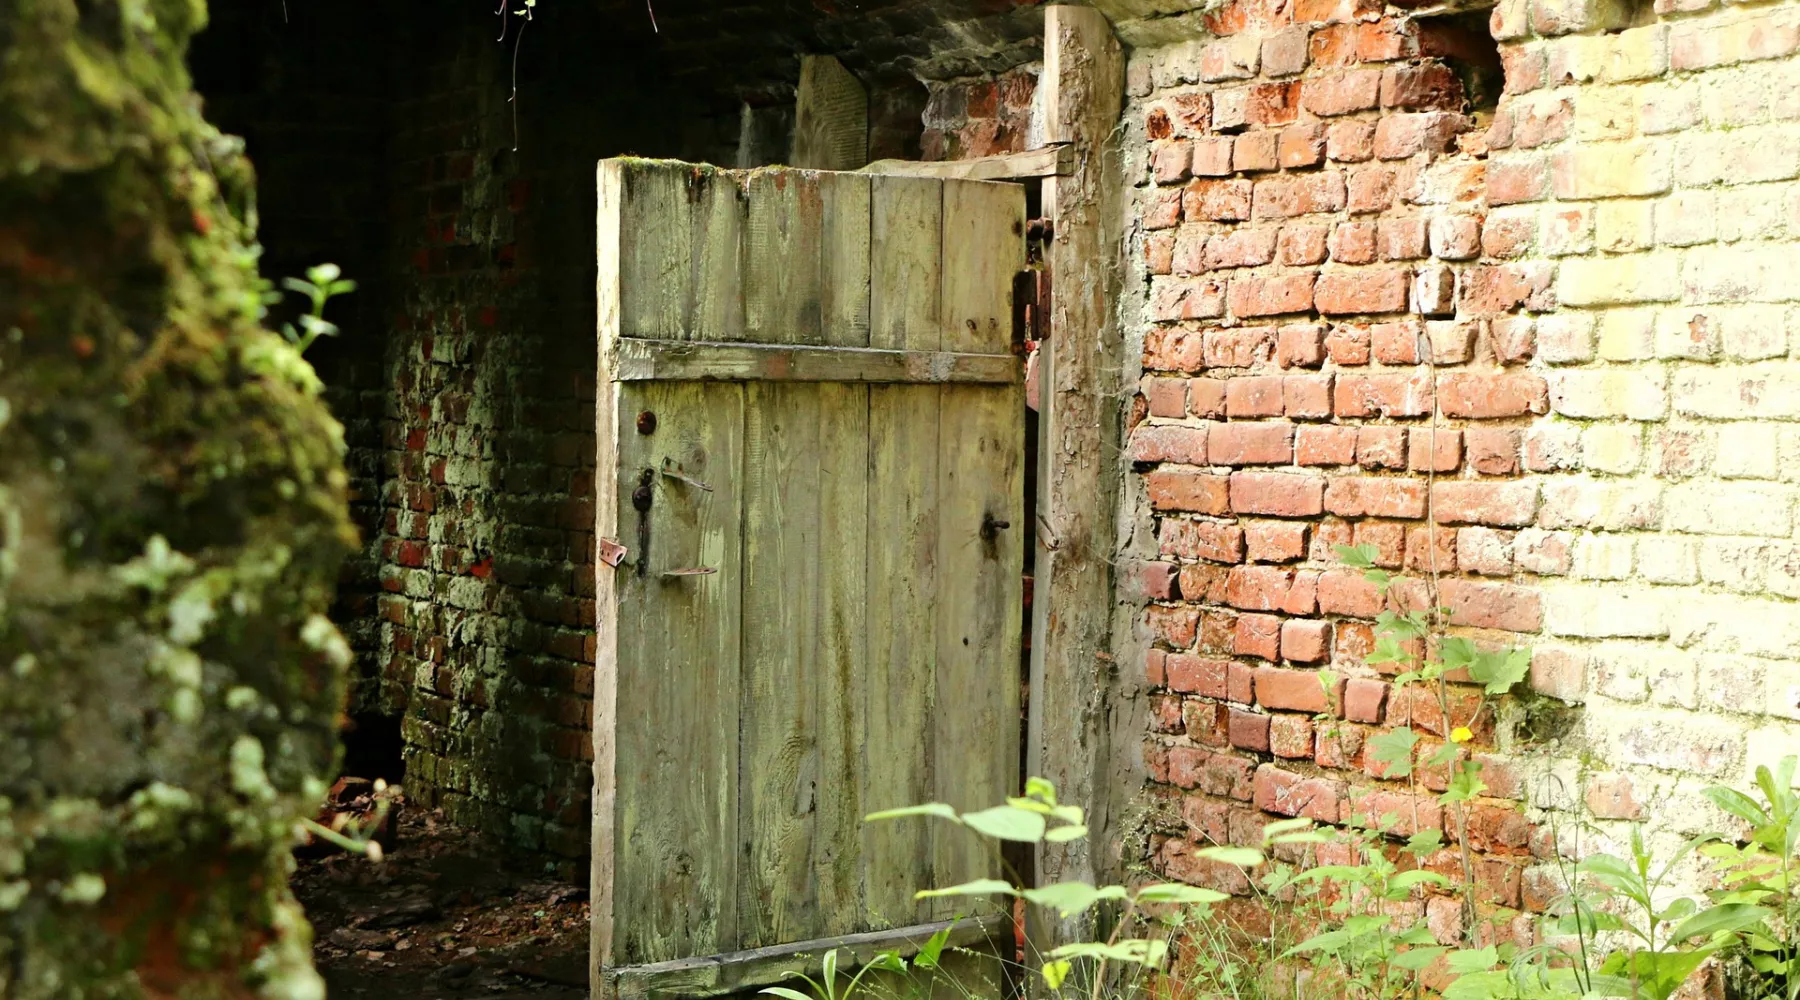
<point x="1169" y="443"/>
<point x="1358" y="496"/>
<point x="1272" y="588"/>
<point x="1171" y="161"/>
<point x="1291" y="736"/>
<point x="1510" y="394"/>
<point x="1373" y="290"/>
<point x="1206" y="398"/>
<point x="1240" y="347"/>
<point x="1256" y="296"/>
<point x="1429" y="85"/>
<point x="1348" y="345"/>
<point x="1261" y="443"/>
<point x="1345" y="592"/>
<point x="1173" y="625"/>
<point x="1212" y="541"/>
<point x="1192" y="674"/>
<point x="1277" y="494"/>
<point x="1281" y="689"/>
<point x="1288" y="794"/>
<point x="1381" y="447"/>
<point x="1167" y="397"/>
<point x="1509" y="505"/>
<point x="1212" y="156"/>
<point x="1396" y="343"/>
<point x="1342" y="93"/>
<point x="1403" y="136"/>
<point x="1253" y="396"/>
<point x="1350" y="141"/>
<point x="1325" y="445"/>
<point x="1241" y="248"/>
<point x="1302" y="146"/>
<point x="1364" y="699"/>
<point x="1174" y="349"/>
<point x="1299" y="194"/>
<point x="1386" y="394"/>
<point x="1217" y="200"/>
<point x="1353" y="242"/>
<point x="1306" y="397"/>
<point x="1435" y="449"/>
<point x="1249" y="731"/>
<point x="1188" y="490"/>
<point x="1305" y="640"/>
<point x="1300" y="345"/>
<point x="1301" y="244"/>
<point x="1275" y="541"/>
<point x="1255" y="151"/>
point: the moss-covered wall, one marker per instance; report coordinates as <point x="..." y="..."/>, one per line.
<point x="172" y="517"/>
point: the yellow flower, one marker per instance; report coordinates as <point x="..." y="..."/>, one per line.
<point x="1461" y="734"/>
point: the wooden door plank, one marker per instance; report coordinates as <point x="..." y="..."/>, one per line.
<point x="655" y="276"/>
<point x="783" y="246"/>
<point x="831" y="117"/>
<point x="980" y="558"/>
<point x="984" y="247"/>
<point x="842" y="658"/>
<point x="602" y="835"/>
<point x="676" y="718"/>
<point x="780" y="725"/>
<point x="716" y="310"/>
<point x="844" y="283"/>
<point x="902" y="550"/>
<point x="906" y="232"/>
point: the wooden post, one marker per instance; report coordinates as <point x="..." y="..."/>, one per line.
<point x="1071" y="668"/>
<point x="831" y="117"/>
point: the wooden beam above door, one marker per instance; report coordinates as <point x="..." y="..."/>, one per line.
<point x="1055" y="160"/>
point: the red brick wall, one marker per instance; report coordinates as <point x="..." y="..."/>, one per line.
<point x="1534" y="343"/>
<point x="980" y="116"/>
<point x="1331" y="350"/>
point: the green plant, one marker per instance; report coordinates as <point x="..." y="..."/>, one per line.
<point x="1663" y="938"/>
<point x="1415" y="643"/>
<point x="1761" y="871"/>
<point x="321" y="284"/>
<point x="826" y="986"/>
<point x="1366" y="951"/>
<point x="1037" y="817"/>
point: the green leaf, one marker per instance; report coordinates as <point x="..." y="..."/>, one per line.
<point x="1736" y="803"/>
<point x="1498" y="670"/>
<point x="1418" y="876"/>
<point x="1069" y="814"/>
<point x="1394" y="749"/>
<point x="1243" y="857"/>
<point x="1175" y="892"/>
<point x="1729" y="917"/>
<point x="1424" y="842"/>
<point x="1465" y="785"/>
<point x="1062" y="834"/>
<point x="1029" y="805"/>
<point x="932" y="949"/>
<point x="1007" y="823"/>
<point x="979" y="887"/>
<point x="1469" y="960"/>
<point x="1445" y="754"/>
<point x="1070" y="898"/>
<point x="1041" y="789"/>
<point x="1359" y="556"/>
<point x="928" y="809"/>
<point x="830" y="976"/>
<point x="1387" y="650"/>
<point x="1055" y="972"/>
<point x="1456" y="651"/>
<point x="1414" y="959"/>
<point x="1135" y="950"/>
<point x="1282" y="826"/>
<point x="784" y="993"/>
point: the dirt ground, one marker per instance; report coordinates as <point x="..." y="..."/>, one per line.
<point x="443" y="917"/>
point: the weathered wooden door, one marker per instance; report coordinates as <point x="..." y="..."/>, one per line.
<point x="810" y="450"/>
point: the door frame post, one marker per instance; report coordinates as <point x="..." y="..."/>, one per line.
<point x="1072" y="670"/>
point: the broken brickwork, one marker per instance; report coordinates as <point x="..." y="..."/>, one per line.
<point x="1508" y="298"/>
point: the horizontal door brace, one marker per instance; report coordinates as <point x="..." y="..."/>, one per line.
<point x="737" y="971"/>
<point x="637" y="360"/>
